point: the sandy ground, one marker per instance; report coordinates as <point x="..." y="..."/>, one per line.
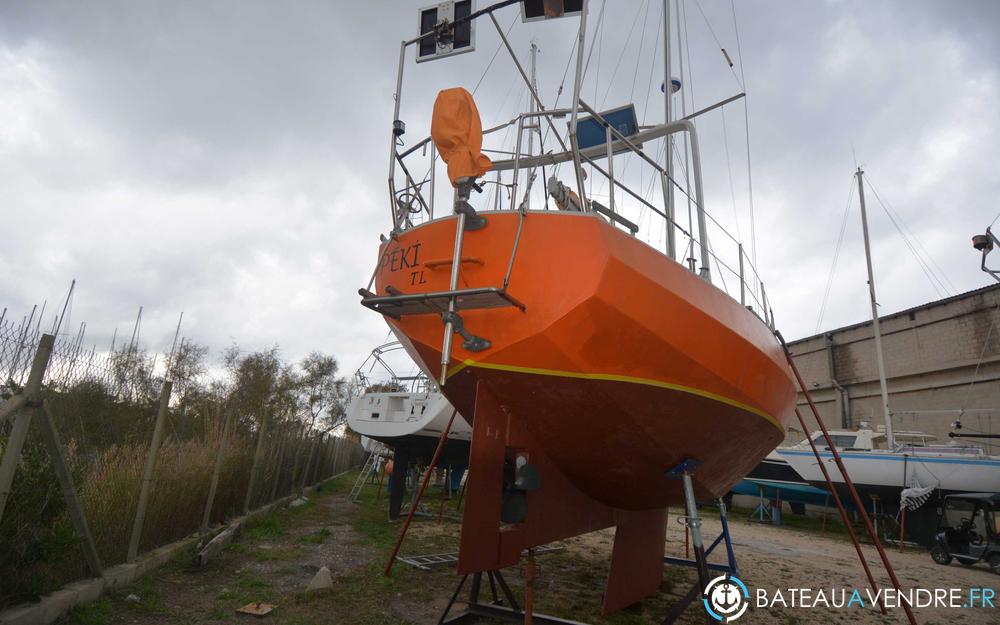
<point x="774" y="558"/>
<point x="274" y="561"/>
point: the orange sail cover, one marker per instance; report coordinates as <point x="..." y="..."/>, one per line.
<point x="458" y="134"/>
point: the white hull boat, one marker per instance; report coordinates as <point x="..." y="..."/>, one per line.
<point x="883" y="473"/>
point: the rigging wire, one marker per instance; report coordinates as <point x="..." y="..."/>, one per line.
<point x="649" y="88"/>
<point x="494" y="58"/>
<point x="618" y="64"/>
<point x="729" y="169"/>
<point x="614" y="75"/>
<point x="719" y="43"/>
<point x="597" y="29"/>
<point x="836" y="256"/>
<point x="932" y="264"/>
<point x="638" y="54"/>
<point x="936" y="284"/>
<point x="746" y="125"/>
<point x="979" y="362"/>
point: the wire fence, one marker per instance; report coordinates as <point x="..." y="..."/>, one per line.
<point x="211" y="458"/>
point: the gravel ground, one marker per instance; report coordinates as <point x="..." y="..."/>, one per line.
<point x="277" y="556"/>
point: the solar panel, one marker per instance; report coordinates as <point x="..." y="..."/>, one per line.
<point x="590" y="131"/>
<point x="456" y="40"/>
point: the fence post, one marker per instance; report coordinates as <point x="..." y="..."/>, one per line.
<point x="297" y="440"/>
<point x="51" y="436"/>
<point x="277" y="466"/>
<point x="328" y="453"/>
<point x="336" y="455"/>
<point x="22" y="417"/>
<point x="147" y="472"/>
<point x="305" y="472"/>
<point x="256" y="461"/>
<point x="218" y="469"/>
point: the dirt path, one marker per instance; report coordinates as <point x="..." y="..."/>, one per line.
<point x="276" y="557"/>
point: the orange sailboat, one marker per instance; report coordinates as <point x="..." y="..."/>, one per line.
<point x="594" y="368"/>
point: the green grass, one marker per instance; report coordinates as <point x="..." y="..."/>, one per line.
<point x="266" y="527"/>
<point x="246" y="588"/>
<point x="96" y="613"/>
<point x="150" y="602"/>
<point x="316" y="538"/>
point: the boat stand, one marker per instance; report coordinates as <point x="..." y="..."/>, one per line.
<point x="763" y="511"/>
<point x="495" y="609"/>
<point x="512" y="611"/>
<point x="684" y="470"/>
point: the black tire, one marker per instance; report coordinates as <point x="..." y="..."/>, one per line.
<point x="995" y="563"/>
<point x="942" y="557"/>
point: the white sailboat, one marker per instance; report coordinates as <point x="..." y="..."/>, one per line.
<point x="408" y="414"/>
<point x="389" y="407"/>
<point x="883" y="463"/>
<point x="883" y="471"/>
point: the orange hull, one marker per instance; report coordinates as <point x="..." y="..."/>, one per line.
<point x="622" y="364"/>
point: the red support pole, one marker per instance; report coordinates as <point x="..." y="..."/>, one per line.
<point x="847" y="480"/>
<point x="420" y="493"/>
<point x="843" y="511"/>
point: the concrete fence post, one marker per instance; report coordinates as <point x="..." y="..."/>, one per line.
<point x="323" y="468"/>
<point x="337" y="442"/>
<point x="22" y="406"/>
<point x="308" y="467"/>
<point x="257" y="456"/>
<point x="51" y="436"/>
<point x="148" y="470"/>
<point x="282" y="438"/>
<point x="220" y="458"/>
<point x="297" y="439"/>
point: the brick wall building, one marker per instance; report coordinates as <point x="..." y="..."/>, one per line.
<point x="932" y="354"/>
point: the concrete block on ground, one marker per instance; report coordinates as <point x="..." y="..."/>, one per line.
<point x="321" y="581"/>
<point x="215" y="546"/>
<point x="88" y="590"/>
<point x="25" y="614"/>
<point x="166" y="553"/>
<point x="121" y="575"/>
<point x="58" y="603"/>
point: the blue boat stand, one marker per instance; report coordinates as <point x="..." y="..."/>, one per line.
<point x="692" y="520"/>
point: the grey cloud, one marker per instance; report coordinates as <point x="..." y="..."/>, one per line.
<point x="228" y="158"/>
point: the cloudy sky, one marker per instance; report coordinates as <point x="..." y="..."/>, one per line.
<point x="227" y="159"/>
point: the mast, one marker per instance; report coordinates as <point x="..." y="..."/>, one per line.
<point x="532" y="107"/>
<point x="668" y="185"/>
<point x="878" y="334"/>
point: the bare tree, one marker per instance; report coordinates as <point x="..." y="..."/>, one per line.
<point x="322" y="393"/>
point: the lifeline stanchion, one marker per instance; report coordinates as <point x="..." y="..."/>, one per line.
<point x="847" y="479"/>
<point x="423" y="485"/>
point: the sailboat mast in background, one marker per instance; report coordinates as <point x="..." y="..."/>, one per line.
<point x="878" y="334"/>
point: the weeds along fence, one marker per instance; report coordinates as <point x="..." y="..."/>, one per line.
<point x="100" y="463"/>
